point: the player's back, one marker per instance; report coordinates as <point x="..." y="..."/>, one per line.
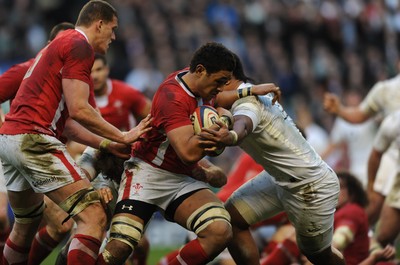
<point x="384" y="97"/>
<point x="277" y="144"/>
<point x="39" y="106"/>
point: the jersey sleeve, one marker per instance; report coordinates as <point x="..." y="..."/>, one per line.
<point x="172" y="111"/>
<point x="78" y="60"/>
<point x="11" y="80"/>
<point x="248" y="106"/>
<point x="371" y="103"/>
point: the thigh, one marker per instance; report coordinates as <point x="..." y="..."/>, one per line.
<point x="53" y="214"/>
<point x="389" y="224"/>
<point x="24" y="199"/>
<point x="193" y="203"/>
<point x="393" y="198"/>
<point x="258" y="199"/>
<point x="311" y="211"/>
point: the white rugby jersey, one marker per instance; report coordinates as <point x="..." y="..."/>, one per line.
<point x="389" y="134"/>
<point x="383" y="98"/>
<point x="277" y="144"/>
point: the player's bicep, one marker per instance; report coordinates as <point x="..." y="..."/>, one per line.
<point x="76" y="94"/>
<point x="185" y="144"/>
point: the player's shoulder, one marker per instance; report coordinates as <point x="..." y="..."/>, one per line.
<point x="72" y="40"/>
<point x="391" y="83"/>
<point x="392" y="120"/>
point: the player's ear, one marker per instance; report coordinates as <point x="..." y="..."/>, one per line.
<point x="99" y="24"/>
<point x="200" y="69"/>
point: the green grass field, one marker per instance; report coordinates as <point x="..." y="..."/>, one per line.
<point x="154" y="256"/>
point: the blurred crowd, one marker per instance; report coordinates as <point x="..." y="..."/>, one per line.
<point x="307" y="47"/>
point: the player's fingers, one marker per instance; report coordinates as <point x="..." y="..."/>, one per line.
<point x="207" y="133"/>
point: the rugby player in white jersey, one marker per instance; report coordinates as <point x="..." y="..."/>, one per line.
<point x="295" y="178"/>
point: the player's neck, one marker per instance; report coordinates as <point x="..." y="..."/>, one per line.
<point x="186" y="80"/>
<point x="102" y="91"/>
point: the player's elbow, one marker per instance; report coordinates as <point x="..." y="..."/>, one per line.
<point x="190" y="158"/>
<point x="77" y="113"/>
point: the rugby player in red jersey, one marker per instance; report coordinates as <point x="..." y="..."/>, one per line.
<point x="55" y="88"/>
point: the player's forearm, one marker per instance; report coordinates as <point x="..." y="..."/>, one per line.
<point x="226" y="99"/>
<point x="76" y="132"/>
<point x="243" y="127"/>
<point x="352" y="114"/>
<point x="89" y="118"/>
<point x="373" y="165"/>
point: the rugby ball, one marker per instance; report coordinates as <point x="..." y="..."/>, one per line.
<point x="203" y="117"/>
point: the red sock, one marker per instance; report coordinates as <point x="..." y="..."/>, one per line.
<point x="168" y="258"/>
<point x="83" y="249"/>
<point x="41" y="247"/>
<point x="283" y="254"/>
<point x="3" y="238"/>
<point x="14" y="254"/>
<point x="192" y="253"/>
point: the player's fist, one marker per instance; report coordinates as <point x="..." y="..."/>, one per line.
<point x="331" y="103"/>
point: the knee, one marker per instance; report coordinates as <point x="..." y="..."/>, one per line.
<point x="93" y="214"/>
<point x="61" y="229"/>
<point x="383" y="238"/>
<point x="220" y="232"/>
<point x="85" y="207"/>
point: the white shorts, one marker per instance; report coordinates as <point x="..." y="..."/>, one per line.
<point x="310" y="207"/>
<point x="143" y="182"/>
<point x="3" y="188"/>
<point x="37" y="161"/>
<point x="387" y="171"/>
<point x="393" y="198"/>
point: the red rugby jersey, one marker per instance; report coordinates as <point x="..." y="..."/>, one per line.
<point x="39" y="106"/>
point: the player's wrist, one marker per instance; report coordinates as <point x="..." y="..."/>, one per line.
<point x="104" y="144"/>
<point x="244" y="91"/>
<point x="234" y="137"/>
<point x="225" y="119"/>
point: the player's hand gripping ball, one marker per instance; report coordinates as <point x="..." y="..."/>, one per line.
<point x="204" y="117"/>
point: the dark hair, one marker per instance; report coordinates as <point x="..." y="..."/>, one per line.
<point x="60" y="27"/>
<point x="238" y="72"/>
<point x="101" y="57"/>
<point x="109" y="165"/>
<point x="96" y="10"/>
<point x="355" y="189"/>
<point x="214" y="57"/>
